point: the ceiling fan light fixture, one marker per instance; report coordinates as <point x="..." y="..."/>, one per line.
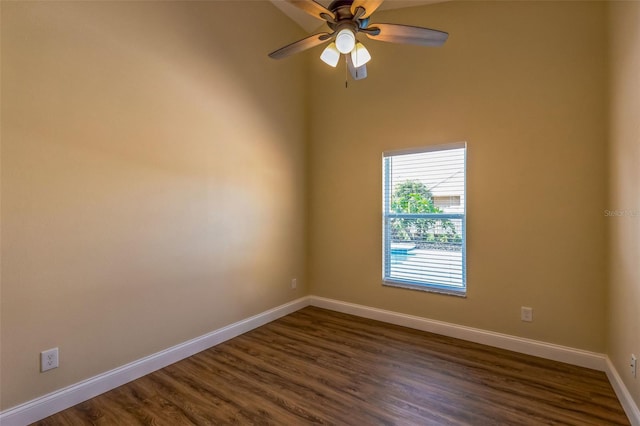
<point x="346" y="19"/>
<point x="330" y="55"/>
<point x="345" y="41"/>
<point x="360" y="55"/>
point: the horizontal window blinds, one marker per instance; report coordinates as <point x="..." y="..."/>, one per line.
<point x="424" y="218"/>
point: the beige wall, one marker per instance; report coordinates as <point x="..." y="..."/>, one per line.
<point x="624" y="199"/>
<point x="524" y="83"/>
<point x="153" y="175"/>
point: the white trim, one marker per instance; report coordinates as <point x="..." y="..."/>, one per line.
<point x="629" y="405"/>
<point x="62" y="399"/>
<point x="427" y="148"/>
<point x="550" y="351"/>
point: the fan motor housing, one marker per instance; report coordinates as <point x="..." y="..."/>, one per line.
<point x="338" y="4"/>
<point x="342" y="11"/>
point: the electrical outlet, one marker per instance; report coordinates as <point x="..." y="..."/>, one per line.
<point x="634" y="362"/>
<point x="526" y="314"/>
<point x="294" y="283"/>
<point x="48" y="359"/>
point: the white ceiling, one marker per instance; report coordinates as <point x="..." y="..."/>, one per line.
<point x="311" y="24"/>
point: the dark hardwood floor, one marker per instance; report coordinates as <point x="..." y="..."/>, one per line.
<point x="319" y="366"/>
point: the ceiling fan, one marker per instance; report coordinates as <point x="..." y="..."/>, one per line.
<point x="347" y="18"/>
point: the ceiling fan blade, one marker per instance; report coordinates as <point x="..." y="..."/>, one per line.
<point x="407" y="34"/>
<point x="357" y="73"/>
<point x="369" y="6"/>
<point x="314" y="9"/>
<point x="300" y="45"/>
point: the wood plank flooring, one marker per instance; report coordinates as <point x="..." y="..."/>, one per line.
<point x="321" y="367"/>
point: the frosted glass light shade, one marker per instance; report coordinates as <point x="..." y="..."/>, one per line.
<point x="345" y="41"/>
<point x="360" y="55"/>
<point x="330" y="55"/>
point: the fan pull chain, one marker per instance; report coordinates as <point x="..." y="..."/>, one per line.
<point x="346" y="74"/>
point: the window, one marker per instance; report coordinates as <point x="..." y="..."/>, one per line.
<point x="424" y="219"/>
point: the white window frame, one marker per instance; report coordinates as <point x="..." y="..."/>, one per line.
<point x="387" y="215"/>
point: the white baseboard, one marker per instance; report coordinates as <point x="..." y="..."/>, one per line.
<point x="623" y="394"/>
<point x="62" y="399"/>
<point x="550" y="351"/>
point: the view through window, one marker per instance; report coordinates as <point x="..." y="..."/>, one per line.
<point x="424" y="218"/>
